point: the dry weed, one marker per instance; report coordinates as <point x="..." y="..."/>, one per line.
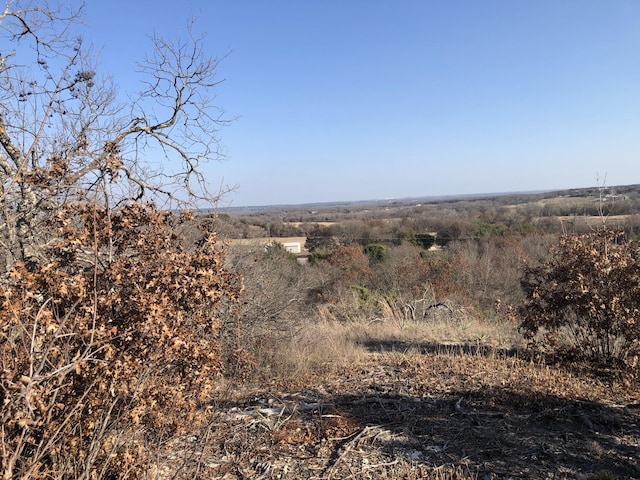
<point x="318" y="349"/>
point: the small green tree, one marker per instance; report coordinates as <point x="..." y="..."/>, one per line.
<point x="321" y="241"/>
<point x="425" y="240"/>
<point x="586" y="298"/>
<point x="376" y="252"/>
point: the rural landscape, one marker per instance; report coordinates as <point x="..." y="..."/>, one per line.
<point x="149" y="332"/>
<point x="400" y="347"/>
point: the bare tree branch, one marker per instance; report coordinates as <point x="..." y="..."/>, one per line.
<point x="65" y="134"/>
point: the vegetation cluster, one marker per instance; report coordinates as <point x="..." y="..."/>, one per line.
<point x="109" y="347"/>
<point x="399" y="269"/>
<point x="109" y="342"/>
<point x="123" y="315"/>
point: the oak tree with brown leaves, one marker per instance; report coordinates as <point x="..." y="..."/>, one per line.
<point x="586" y="298"/>
<point x="109" y="339"/>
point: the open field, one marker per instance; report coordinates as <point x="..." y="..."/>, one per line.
<point x="261" y="241"/>
<point x="299" y="224"/>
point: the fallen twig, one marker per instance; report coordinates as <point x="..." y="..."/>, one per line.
<point x="472" y="418"/>
<point x="356" y="437"/>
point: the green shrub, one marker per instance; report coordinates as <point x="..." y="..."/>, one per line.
<point x="425" y="240"/>
<point x="376" y="252"/>
<point x="490" y="230"/>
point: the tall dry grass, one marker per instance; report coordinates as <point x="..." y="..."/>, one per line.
<point x="326" y="344"/>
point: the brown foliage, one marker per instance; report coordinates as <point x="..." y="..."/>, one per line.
<point x="109" y="344"/>
<point x="589" y="292"/>
<point x="108" y="334"/>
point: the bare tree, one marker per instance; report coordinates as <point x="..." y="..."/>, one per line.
<point x="66" y="135"/>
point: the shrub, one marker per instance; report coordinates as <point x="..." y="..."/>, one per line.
<point x="425" y="240"/>
<point x="272" y="309"/>
<point x="320" y="243"/>
<point x="108" y="346"/>
<point x="490" y="229"/>
<point x="376" y="252"/>
<point x="586" y="298"/>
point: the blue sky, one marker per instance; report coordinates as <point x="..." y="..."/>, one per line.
<point x="341" y="100"/>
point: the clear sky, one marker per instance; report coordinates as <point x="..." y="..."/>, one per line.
<point x="343" y="100"/>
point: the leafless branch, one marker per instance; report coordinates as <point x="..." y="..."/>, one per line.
<point x="65" y="134"/>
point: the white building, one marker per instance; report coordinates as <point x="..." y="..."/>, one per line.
<point x="292" y="247"/>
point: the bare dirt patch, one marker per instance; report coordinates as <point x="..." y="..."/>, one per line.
<point x="422" y="411"/>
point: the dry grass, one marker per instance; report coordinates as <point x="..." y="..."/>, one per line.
<point x="319" y="349"/>
<point x="381" y="400"/>
<point x="464" y="330"/>
<point x="325" y="346"/>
